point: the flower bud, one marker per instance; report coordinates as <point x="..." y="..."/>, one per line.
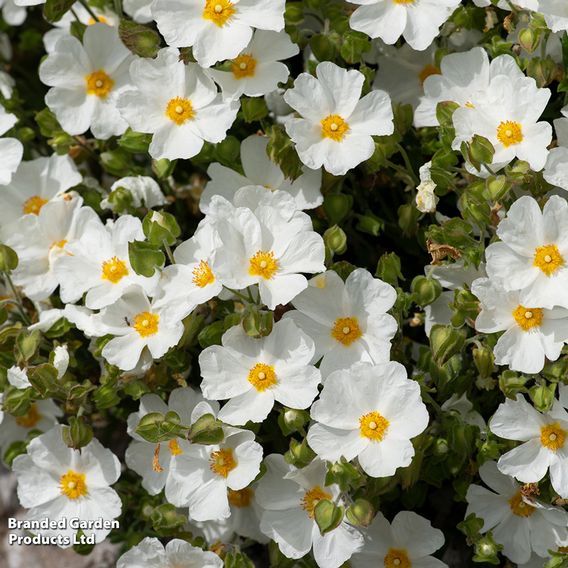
<point x="206" y="430"/>
<point x="445" y="341"/>
<point x="327" y="515"/>
<point x="292" y="420"/>
<point x="498" y="187"/>
<point x="528" y="39"/>
<point x="484" y="361"/>
<point x="542" y="396"/>
<point x="78" y="434"/>
<point x="335" y="239"/>
<point x="337" y="206"/>
<point x="299" y="454"/>
<point x="425" y="290"/>
<point x="258" y="323"/>
<point x="389" y="268"/>
<point x="361" y="513"/>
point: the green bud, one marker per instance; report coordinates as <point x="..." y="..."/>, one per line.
<point x="78" y="434"/>
<point x="106" y="396"/>
<point x="369" y="224"/>
<point x="44" y="379"/>
<point x="8" y="259"/>
<point x="135" y="142"/>
<point x="425" y="290"/>
<point x="542" y="396"/>
<point x="291" y="420"/>
<point x="156" y="427"/>
<point x="160" y="227"/>
<point x="510" y="383"/>
<point x="484" y="361"/>
<point x="475" y="208"/>
<point x="327" y="515"/>
<point x="335" y="239"/>
<point x="529" y="39"/>
<point x="445" y="341"/>
<point x="237" y="559"/>
<point x="445" y="111"/>
<point x="206" y="430"/>
<point x="14" y="450"/>
<point x="408" y="219"/>
<point x="54" y="10"/>
<point x="337" y="206"/>
<point x="345" y="475"/>
<point x="258" y="323"/>
<point x="354" y="45"/>
<point x="322" y="47"/>
<point x="47" y="123"/>
<point x="211" y="334"/>
<point x="361" y="513"/>
<point x="166" y="518"/>
<point x="480" y="151"/>
<point x="163" y="168"/>
<point x="228" y="150"/>
<point x="116" y="161"/>
<point x="294" y="13"/>
<point x="543" y="71"/>
<point x="253" y="109"/>
<point x="16" y="401"/>
<point x="389" y="268"/>
<point x="299" y="453"/>
<point x="145" y="257"/>
<point x="486" y="550"/>
<point x="121" y="200"/>
<point x="139" y="39"/>
<point x="498" y="187"/>
<point x="27" y="344"/>
<point x="441" y="447"/>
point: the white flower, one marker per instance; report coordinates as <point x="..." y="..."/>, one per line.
<point x="42" y="240"/>
<point x="86" y="79"/>
<point x="426" y="198"/>
<point x="139" y="10"/>
<point x="18" y="377"/>
<point x="176" y="554"/>
<point x="139" y="328"/>
<point x="407" y="542"/>
<point x="521" y="524"/>
<point x="57" y="482"/>
<point x="257" y="70"/>
<point x="144" y="191"/>
<point x="556" y="168"/>
<point x="418" y="21"/>
<point x="506" y="5"/>
<point x="254" y="373"/>
<point x="543" y="448"/>
<point x="99" y="265"/>
<point x="533" y="253"/>
<point x="34" y="184"/>
<point x="370" y="413"/>
<point x="7" y="83"/>
<point x="11" y="149"/>
<point x="205" y="474"/>
<point x="347" y="320"/>
<point x="216" y="29"/>
<point x="260" y="171"/>
<point x="153" y="462"/>
<point x="531" y="336"/>
<point x="555" y="14"/>
<point x="13" y="14"/>
<point x="270" y="246"/>
<point x="289" y="497"/>
<point x="336" y="126"/>
<point x="177" y="103"/>
<point x="60" y="359"/>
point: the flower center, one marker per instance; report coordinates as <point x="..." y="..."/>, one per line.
<point x="114" y="270"/>
<point x="203" y="275"/>
<point x="262" y="377"/>
<point x="527" y="318"/>
<point x="241" y="498"/>
<point x="519" y="507"/>
<point x="146" y="323"/>
<point x="99" y="84"/>
<point x="100" y="20"/>
<point x="312" y="498"/>
<point x="263" y="264"/>
<point x="33" y="205"/>
<point x="222" y="462"/>
<point x="373" y="426"/>
<point x="510" y="133"/>
<point x="346" y="331"/>
<point x="72" y="485"/>
<point x="30" y="418"/>
<point x="548" y="259"/>
<point x="552" y="436"/>
<point x="218" y="11"/>
<point x="174" y="448"/>
<point x="334" y="127"/>
<point x="397" y="558"/>
<point x="180" y="110"/>
<point x="243" y="66"/>
<point x="428" y="71"/>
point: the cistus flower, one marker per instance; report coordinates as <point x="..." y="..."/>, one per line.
<point x="10" y="148"/>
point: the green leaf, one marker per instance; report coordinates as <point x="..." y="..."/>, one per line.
<point x="54" y="10"/>
<point x="140" y="40"/>
<point x="8" y="259"/>
<point x="145" y="257"/>
<point x="254" y="109"/>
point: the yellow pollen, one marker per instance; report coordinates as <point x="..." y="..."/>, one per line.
<point x="428" y="71"/>
<point x="156" y="460"/>
<point x="59" y="244"/>
<point x="263" y="264"/>
<point x="99" y="84"/>
<point x="346" y="331"/>
<point x="241" y="498"/>
<point x="218" y="11"/>
<point x="100" y="20"/>
<point x="552" y="436"/>
<point x="203" y="275"/>
<point x="222" y="462"/>
<point x="519" y="507"/>
<point x="397" y="558"/>
<point x="174" y="448"/>
<point x="243" y="66"/>
<point x="548" y="259"/>
<point x="30" y="418"/>
<point x="469" y="104"/>
<point x="114" y="270"/>
<point x="527" y="318"/>
<point x="373" y="426"/>
<point x="262" y="377"/>
<point x="334" y="127"/>
<point x="312" y="498"/>
<point x="72" y="485"/>
<point x="180" y="110"/>
<point x="146" y="323"/>
<point x="33" y="205"/>
<point x="510" y="133"/>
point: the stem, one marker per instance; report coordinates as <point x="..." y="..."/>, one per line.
<point x="408" y="164"/>
<point x="19" y="302"/>
<point x="169" y="252"/>
<point x="238" y="294"/>
<point x="89" y="10"/>
<point x="403" y="172"/>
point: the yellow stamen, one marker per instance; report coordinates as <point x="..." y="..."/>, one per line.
<point x="218" y="11"/>
<point x="203" y="275"/>
<point x="397" y="558"/>
<point x="30" y="418"/>
<point x="99" y="84"/>
<point x="312" y="498"/>
<point x="262" y="377"/>
<point x="528" y="318"/>
<point x="428" y="71"/>
<point x="114" y="270"/>
<point x="263" y="264"/>
<point x="33" y="205"/>
<point x="334" y="127"/>
<point x="146" y="323"/>
<point x="180" y="110"/>
<point x="243" y="66"/>
<point x="510" y="133"/>
<point x="346" y="331"/>
<point x="241" y="498"/>
<point x="548" y="259"/>
<point x="72" y="485"/>
<point x="373" y="426"/>
<point x="552" y="436"/>
<point x="222" y="462"/>
<point x="156" y="460"/>
<point x="519" y="507"/>
<point x="174" y="448"/>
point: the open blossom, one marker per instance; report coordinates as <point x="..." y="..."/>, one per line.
<point x="216" y="29"/>
<point x="254" y="373"/>
<point x="370" y="413"/>
<point x="86" y="79"/>
<point x="10" y="148"/>
<point x="533" y="252"/>
<point x="521" y="524"/>
<point x="348" y="321"/>
<point x="177" y="103"/>
<point x="336" y="125"/>
<point x="532" y="334"/>
<point x="289" y="496"/>
<point x="260" y="171"/>
<point x="543" y="437"/>
<point x="418" y="21"/>
<point x="57" y="482"/>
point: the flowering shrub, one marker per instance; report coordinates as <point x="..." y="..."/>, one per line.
<point x="285" y="284"/>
